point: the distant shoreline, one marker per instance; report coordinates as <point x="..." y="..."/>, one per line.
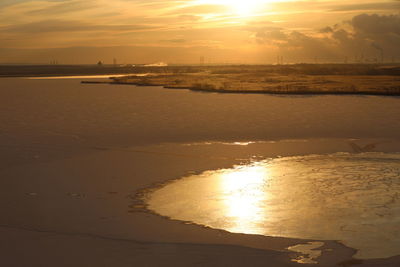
<point x="222" y="91"/>
<point x="306" y="69"/>
<point x="279" y="80"/>
<point x="300" y="79"/>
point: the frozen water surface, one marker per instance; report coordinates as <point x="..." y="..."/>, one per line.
<point x="354" y="198"/>
<point x="310" y="252"/>
<point x="47" y="119"/>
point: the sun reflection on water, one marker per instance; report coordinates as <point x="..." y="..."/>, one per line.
<point x="244" y="197"/>
<point x="349" y="197"/>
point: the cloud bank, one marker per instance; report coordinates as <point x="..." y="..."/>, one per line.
<point x="364" y="38"/>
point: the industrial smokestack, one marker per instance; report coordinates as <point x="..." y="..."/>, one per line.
<point x="380" y="49"/>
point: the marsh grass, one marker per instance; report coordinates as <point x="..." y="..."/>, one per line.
<point x="292" y="79"/>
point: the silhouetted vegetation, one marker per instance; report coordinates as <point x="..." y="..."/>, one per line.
<point x="291" y="79"/>
<point x="275" y="79"/>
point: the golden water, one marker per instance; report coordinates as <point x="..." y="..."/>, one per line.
<point x="354" y="198"/>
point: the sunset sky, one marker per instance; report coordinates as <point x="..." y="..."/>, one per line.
<point x="181" y="31"/>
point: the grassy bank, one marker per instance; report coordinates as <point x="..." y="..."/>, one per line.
<point x="296" y="79"/>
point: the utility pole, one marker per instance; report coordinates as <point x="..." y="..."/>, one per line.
<point x="202" y="60"/>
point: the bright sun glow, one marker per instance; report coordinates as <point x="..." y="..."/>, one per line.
<point x="244" y="196"/>
<point x="245" y="8"/>
<point x="240" y="7"/>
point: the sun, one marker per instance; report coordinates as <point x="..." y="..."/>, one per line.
<point x="243" y="8"/>
<point x="246" y="7"/>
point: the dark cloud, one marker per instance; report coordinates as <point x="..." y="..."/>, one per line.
<point x="364" y="36"/>
<point x="271" y="35"/>
<point x="338" y="6"/>
<point x="392" y="6"/>
<point x="375" y="25"/>
<point x="326" y="30"/>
